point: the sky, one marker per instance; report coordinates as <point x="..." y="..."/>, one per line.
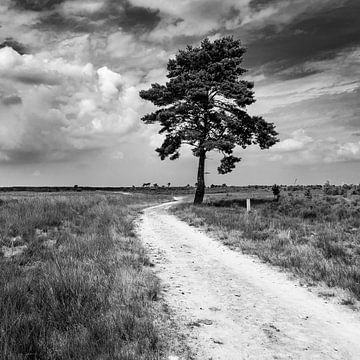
<point x="71" y="72"/>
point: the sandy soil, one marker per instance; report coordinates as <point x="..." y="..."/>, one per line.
<point x="231" y="306"/>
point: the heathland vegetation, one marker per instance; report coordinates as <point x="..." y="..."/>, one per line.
<point x="74" y="282"/>
<point x="311" y="231"/>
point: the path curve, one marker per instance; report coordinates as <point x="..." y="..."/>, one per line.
<point x="231" y="306"/>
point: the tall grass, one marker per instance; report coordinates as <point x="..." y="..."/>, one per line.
<point x="81" y="289"/>
<point x="318" y="238"/>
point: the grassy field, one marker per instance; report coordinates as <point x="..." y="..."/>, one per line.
<point x="311" y="234"/>
<point x="74" y="279"/>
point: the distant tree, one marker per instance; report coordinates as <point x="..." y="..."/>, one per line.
<point x="77" y="188"/>
<point x="204" y="105"/>
<point x="168" y="184"/>
<point x="155" y="185"/>
<point x="276" y="191"/>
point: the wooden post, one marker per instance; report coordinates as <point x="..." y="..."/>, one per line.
<point x="248" y="205"/>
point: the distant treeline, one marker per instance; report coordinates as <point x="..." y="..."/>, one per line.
<point x="153" y="187"/>
<point x="327" y="188"/>
<point x="60" y="188"/>
<point x="90" y="188"/>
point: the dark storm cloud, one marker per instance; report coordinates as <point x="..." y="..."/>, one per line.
<point x="11" y="100"/>
<point x="114" y="13"/>
<point x="15" y="45"/>
<point x="261" y="4"/>
<point x="37" y="5"/>
<point x="135" y="17"/>
<point x="310" y="36"/>
<point x="59" y="22"/>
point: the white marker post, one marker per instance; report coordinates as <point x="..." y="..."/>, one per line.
<point x="248" y="205"/>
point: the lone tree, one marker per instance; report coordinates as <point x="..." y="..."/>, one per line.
<point x="204" y="105"/>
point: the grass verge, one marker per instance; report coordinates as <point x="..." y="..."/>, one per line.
<point x="79" y="288"/>
<point x="317" y="238"/>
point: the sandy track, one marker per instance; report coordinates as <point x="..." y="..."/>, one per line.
<point x="231" y="306"/>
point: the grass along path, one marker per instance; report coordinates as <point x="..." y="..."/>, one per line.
<point x="230" y="306"/>
<point x="317" y="239"/>
<point x="80" y="288"/>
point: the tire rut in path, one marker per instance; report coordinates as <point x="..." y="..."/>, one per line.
<point x="231" y="306"/>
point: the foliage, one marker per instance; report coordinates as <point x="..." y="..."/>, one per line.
<point x="204" y="105"/>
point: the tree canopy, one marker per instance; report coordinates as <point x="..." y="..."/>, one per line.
<point x="204" y="105"/>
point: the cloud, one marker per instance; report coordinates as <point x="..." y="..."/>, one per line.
<point x="40" y="69"/>
<point x="9" y="58"/>
<point x="301" y="31"/>
<point x="251" y="20"/>
<point x="83" y="16"/>
<point x="137" y="55"/>
<point x="117" y="155"/>
<point x="18" y="47"/>
<point x="82" y="8"/>
<point x="37" y="5"/>
<point x="191" y="19"/>
<point x="11" y="100"/>
<point x="298" y="141"/>
<point x="66" y="108"/>
<point x="109" y="83"/>
<point x="302" y="149"/>
<point x="324" y="79"/>
<point x="260" y="15"/>
<point x="71" y="71"/>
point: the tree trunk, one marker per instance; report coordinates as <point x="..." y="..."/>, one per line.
<point x="200" y="189"/>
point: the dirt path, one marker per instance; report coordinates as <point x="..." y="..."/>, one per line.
<point x="232" y="307"/>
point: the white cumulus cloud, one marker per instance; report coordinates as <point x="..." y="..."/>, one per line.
<point x="65" y="107"/>
<point x="109" y="83"/>
<point x="303" y="149"/>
